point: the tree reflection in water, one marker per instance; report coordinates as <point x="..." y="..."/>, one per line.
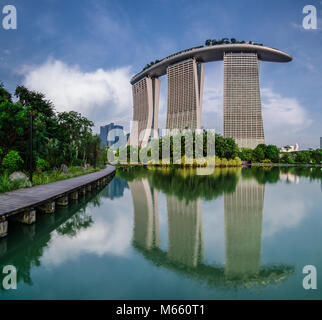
<point x="25" y="244"/>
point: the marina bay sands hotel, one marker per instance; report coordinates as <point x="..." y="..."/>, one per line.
<point x="242" y="113"/>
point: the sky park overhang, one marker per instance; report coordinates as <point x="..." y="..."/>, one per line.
<point x="212" y="53"/>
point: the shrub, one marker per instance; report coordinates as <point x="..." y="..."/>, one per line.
<point x="5" y="183"/>
<point x="78" y="162"/>
<point x="224" y="162"/>
<point x="12" y="161"/>
<point x="238" y="162"/>
<point x="21" y="183"/>
<point x="231" y="163"/>
<point x="218" y="162"/>
<point x="42" y="165"/>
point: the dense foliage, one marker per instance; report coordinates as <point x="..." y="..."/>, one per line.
<point x="270" y="153"/>
<point x="213" y="42"/>
<point x="182" y="148"/>
<point x="58" y="137"/>
<point x="262" y="153"/>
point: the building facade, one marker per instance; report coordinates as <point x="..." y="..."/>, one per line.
<point x="242" y="109"/>
<point x="243" y="119"/>
<point x="146" y="93"/>
<point x="184" y="99"/>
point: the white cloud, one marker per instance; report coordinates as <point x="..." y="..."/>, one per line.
<point x="101" y="95"/>
<point x="283" y="114"/>
<point x="109" y="235"/>
<point x="283" y="209"/>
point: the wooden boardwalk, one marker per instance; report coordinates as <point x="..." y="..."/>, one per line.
<point x="24" y="199"/>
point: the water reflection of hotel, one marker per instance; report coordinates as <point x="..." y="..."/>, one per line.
<point x="243" y="228"/>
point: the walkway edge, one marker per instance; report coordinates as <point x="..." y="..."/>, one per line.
<point x="20" y="200"/>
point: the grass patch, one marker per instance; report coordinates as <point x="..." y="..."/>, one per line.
<point x="42" y="178"/>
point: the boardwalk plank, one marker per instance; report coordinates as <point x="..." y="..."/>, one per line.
<point x="18" y="200"/>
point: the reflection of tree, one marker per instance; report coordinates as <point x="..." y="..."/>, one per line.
<point x="272" y="174"/>
<point x="96" y="200"/>
<point x="24" y="246"/>
<point x="80" y="220"/>
<point x="184" y="183"/>
<point x="25" y="260"/>
<point x="314" y="173"/>
<point x="263" y="175"/>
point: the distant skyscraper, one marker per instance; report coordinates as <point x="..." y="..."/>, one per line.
<point x="116" y="137"/>
<point x="320" y="142"/>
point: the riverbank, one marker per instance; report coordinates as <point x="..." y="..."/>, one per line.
<point x="305" y="165"/>
<point x="22" y="204"/>
<point x="40" y="178"/>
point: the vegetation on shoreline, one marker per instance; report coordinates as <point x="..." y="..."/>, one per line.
<point x="7" y="185"/>
<point x="271" y="154"/>
<point x="182" y="149"/>
<point x="59" y="138"/>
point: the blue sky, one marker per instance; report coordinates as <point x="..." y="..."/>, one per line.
<point x="81" y="54"/>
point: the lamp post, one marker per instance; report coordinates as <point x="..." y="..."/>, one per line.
<point x="30" y="145"/>
<point x="95" y="154"/>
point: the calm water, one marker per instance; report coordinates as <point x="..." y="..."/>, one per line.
<point x="162" y="234"/>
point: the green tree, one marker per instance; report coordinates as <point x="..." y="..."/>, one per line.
<point x="259" y="153"/>
<point x="14" y="124"/>
<point x="74" y="134"/>
<point x="272" y="153"/>
<point x="226" y="147"/>
<point x="36" y="100"/>
<point x="246" y="154"/>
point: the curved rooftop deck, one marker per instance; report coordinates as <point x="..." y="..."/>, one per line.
<point x="212" y="53"/>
